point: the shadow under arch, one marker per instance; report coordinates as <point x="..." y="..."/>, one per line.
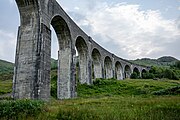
<point x="96" y="63"/>
<point x="82" y="50"/>
<point x="108" y="70"/>
<point x="118" y="71"/>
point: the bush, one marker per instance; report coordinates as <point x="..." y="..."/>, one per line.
<point x="134" y="75"/>
<point x="168" y="73"/>
<point x="14" y="109"/>
<point x="54" y="86"/>
<point x="148" y="75"/>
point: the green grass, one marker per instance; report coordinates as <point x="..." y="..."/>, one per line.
<point x="119" y="100"/>
<point x="5" y="87"/>
<point x="116" y="100"/>
<point x="117" y="108"/>
<point x="125" y="87"/>
<point x="20" y="109"/>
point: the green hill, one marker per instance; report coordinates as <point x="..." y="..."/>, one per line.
<point x="54" y="63"/>
<point x="165" y="61"/>
<point x="6" y="70"/>
<point x="6" y="67"/>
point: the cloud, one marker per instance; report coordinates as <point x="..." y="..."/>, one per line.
<point x="138" y="33"/>
<point x="8" y="44"/>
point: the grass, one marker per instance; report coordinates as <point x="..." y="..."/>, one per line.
<point x="117" y="108"/>
<point x="5" y="87"/>
<point x="20" y="109"/>
<point x="117" y="100"/>
<point x="125" y="87"/>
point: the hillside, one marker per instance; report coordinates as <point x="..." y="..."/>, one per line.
<point x="6" y="70"/>
<point x="6" y="67"/>
<point x="165" y="61"/>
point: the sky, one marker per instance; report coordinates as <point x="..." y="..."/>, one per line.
<point x="130" y="29"/>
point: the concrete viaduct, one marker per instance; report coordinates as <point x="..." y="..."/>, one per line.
<point x="33" y="53"/>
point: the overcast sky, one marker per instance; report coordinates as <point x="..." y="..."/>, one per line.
<point x="130" y="29"/>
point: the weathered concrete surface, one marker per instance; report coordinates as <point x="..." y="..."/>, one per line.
<point x="33" y="53"/>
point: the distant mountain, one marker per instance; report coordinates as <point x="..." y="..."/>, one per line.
<point x="6" y="70"/>
<point x="167" y="59"/>
<point x="164" y="61"/>
<point x="54" y="63"/>
<point x="6" y="67"/>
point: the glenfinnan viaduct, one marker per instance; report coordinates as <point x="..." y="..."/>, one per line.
<point x="33" y="53"/>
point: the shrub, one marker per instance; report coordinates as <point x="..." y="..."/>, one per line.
<point x="148" y="75"/>
<point x="14" y="109"/>
<point x="54" y="86"/>
<point x="168" y="73"/>
<point x="134" y="75"/>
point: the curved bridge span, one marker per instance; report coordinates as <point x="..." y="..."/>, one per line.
<point x="33" y="53"/>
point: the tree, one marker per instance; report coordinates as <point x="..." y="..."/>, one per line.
<point x="134" y="75"/>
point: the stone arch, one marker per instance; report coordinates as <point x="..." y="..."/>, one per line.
<point x="108" y="70"/>
<point x="64" y="56"/>
<point x="118" y="71"/>
<point x="82" y="50"/>
<point x="97" y="68"/>
<point x="144" y="71"/>
<point x="127" y="71"/>
<point x="136" y="70"/>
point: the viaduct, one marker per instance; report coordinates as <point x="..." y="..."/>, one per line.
<point x="33" y="53"/>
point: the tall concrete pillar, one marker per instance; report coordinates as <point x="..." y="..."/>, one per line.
<point x="33" y="55"/>
<point x="66" y="78"/>
<point x="32" y="62"/>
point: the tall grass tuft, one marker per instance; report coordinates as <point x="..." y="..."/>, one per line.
<point x="76" y="114"/>
<point x="20" y="108"/>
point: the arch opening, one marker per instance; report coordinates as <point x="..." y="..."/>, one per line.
<point x="136" y="73"/>
<point x="96" y="64"/>
<point x="64" y="88"/>
<point x="127" y="71"/>
<point x="108" y="71"/>
<point x="118" y="71"/>
<point x="82" y="50"/>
